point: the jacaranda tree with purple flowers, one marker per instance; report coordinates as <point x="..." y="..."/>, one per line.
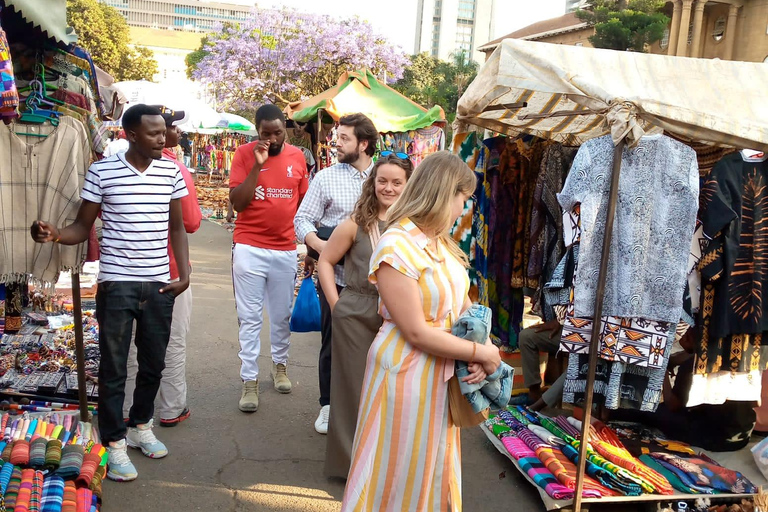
<point x="283" y="55"/>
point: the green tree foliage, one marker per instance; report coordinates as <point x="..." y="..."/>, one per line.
<point x="630" y="25"/>
<point x="194" y="58"/>
<point x="103" y="31"/>
<point x="430" y="81"/>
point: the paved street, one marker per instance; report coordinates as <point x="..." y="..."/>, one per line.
<point x="225" y="460"/>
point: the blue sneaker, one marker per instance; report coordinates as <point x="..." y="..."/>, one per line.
<point x="120" y="467"/>
<point x="142" y="437"/>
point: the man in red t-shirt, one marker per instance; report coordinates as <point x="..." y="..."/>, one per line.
<point x="267" y="182"/>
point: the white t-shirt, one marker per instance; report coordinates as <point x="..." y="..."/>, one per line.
<point x="115" y="147"/>
<point x="135" y="211"/>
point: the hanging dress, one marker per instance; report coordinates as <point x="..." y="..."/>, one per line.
<point x="407" y="451"/>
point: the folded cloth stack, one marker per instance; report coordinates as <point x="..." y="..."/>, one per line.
<point x="545" y="435"/>
<point x="71" y="461"/>
<point x="20" y="453"/>
<point x="496" y="390"/>
<point x="704" y="472"/>
<point x="37" y="450"/>
<point x="6" y="455"/>
<point x="69" y="502"/>
<point x="13" y="489"/>
<point x="53" y="455"/>
<point x="88" y="469"/>
<point x="5" y="477"/>
<point x="37" y="492"/>
<point x="25" y="490"/>
<point x="53" y="494"/>
<point x="84" y="499"/>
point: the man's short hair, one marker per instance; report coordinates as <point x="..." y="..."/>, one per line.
<point x="269" y="112"/>
<point x="364" y="130"/>
<point x="132" y="116"/>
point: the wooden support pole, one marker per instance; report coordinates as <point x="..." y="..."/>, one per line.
<point x="597" y="313"/>
<point x="77" y="306"/>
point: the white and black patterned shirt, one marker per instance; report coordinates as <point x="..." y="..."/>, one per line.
<point x="331" y="198"/>
<point x="135" y="211"/>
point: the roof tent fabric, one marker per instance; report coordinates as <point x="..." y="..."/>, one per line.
<point x="572" y="94"/>
<point x="49" y="15"/>
<point x="355" y="92"/>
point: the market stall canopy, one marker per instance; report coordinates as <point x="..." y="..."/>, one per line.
<point x="199" y="114"/>
<point x="359" y="91"/>
<point x="49" y="15"/>
<point x="567" y="93"/>
<point x="233" y="122"/>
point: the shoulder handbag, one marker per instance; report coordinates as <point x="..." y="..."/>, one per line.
<point x="461" y="411"/>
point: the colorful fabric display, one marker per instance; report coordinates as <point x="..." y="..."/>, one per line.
<point x="6" y="455"/>
<point x="9" y="96"/>
<point x="511" y="421"/>
<point x="13" y="489"/>
<point x="550" y="426"/>
<point x="91" y="462"/>
<point x="84" y="500"/>
<point x="497" y="426"/>
<point x="25" y="490"/>
<point x="20" y="453"/>
<point x="53" y="454"/>
<point x="98" y="478"/>
<point x="53" y="494"/>
<point x="69" y="503"/>
<point x="700" y="472"/>
<point x="605" y="477"/>
<point x="37" y="492"/>
<point x="565" y="471"/>
<point x="538" y="472"/>
<point x="671" y="477"/>
<point x="545" y="435"/>
<point x="5" y="477"/>
<point x="71" y="462"/>
<point x="622" y="458"/>
<point x="37" y="450"/>
<point x="566" y="427"/>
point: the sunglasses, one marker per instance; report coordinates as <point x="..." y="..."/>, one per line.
<point x="401" y="156"/>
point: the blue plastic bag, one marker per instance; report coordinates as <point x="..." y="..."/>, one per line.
<point x="306" y="309"/>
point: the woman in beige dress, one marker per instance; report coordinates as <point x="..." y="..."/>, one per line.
<point x="356" y="318"/>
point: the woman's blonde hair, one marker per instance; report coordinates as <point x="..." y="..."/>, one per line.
<point x="366" y="213"/>
<point x="426" y="199"/>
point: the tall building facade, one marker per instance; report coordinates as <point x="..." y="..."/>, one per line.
<point x="192" y="15"/>
<point x="445" y="28"/>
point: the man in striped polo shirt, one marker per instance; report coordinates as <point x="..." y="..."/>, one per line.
<point x="138" y="194"/>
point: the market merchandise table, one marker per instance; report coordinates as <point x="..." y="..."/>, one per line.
<point x="741" y="460"/>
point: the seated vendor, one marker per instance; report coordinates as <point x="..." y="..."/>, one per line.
<point x="539" y="338"/>
<point x="718" y="428"/>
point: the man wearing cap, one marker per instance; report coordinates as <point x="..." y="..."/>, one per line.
<point x="172" y="397"/>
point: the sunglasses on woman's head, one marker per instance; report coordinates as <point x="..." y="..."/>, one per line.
<point x="401" y="156"/>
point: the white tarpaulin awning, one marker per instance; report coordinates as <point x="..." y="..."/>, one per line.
<point x="523" y="83"/>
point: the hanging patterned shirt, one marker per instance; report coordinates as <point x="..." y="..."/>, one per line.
<point x="655" y="219"/>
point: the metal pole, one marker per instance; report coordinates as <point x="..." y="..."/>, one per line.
<point x="79" y="347"/>
<point x="596" y="315"/>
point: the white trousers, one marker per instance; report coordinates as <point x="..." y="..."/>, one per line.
<point x="172" y="397"/>
<point x="262" y="277"/>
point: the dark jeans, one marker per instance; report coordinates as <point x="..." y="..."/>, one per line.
<point x="324" y="363"/>
<point x="118" y="305"/>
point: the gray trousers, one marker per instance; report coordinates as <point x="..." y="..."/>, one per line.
<point x="531" y="343"/>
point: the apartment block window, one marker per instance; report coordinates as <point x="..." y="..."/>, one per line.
<point x="466" y="10"/>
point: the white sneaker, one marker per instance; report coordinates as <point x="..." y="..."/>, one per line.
<point x="120" y="467"/>
<point x="321" y="423"/>
<point x="143" y="438"/>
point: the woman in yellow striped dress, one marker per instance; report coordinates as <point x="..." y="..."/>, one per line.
<point x="407" y="452"/>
